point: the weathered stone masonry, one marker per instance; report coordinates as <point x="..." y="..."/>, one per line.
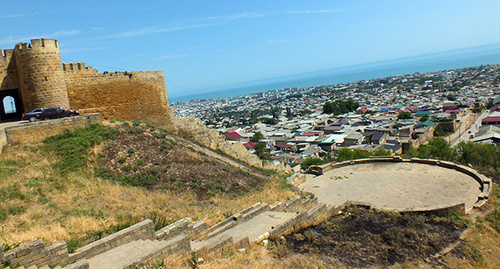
<point x="34" y="76"/>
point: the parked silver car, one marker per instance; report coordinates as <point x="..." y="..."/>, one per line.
<point x="31" y="116"/>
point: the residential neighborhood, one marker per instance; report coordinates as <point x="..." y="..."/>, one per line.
<point x="394" y="113"/>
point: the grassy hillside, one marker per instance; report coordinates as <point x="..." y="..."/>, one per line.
<point x="82" y="185"/>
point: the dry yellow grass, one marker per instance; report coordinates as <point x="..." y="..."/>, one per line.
<point x="60" y="208"/>
<point x="80" y="204"/>
<point x="254" y="256"/>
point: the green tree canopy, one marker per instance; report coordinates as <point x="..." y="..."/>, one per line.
<point x="257" y="137"/>
<point x="340" y="107"/>
<point x="261" y="151"/>
<point x="405" y="115"/>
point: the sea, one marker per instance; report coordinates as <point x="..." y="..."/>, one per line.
<point x="448" y="60"/>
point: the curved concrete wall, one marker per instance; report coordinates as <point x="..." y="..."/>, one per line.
<point x="484" y="182"/>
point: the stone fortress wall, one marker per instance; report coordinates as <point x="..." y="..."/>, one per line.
<point x="35" y="76"/>
<point x="8" y="71"/>
<point x="119" y="95"/>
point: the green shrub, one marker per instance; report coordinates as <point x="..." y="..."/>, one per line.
<point x="11" y="192"/>
<point x="165" y="146"/>
<point x="73" y="244"/>
<point x="3" y="214"/>
<point x="73" y="146"/>
<point x="267" y="172"/>
<point x="494" y="219"/>
<point x="17" y="210"/>
<point x="158" y="135"/>
<point x="311" y="161"/>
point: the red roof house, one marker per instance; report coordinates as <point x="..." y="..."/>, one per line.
<point x="495" y="108"/>
<point x="249" y="145"/>
<point x="362" y="109"/>
<point x="491" y="121"/>
<point x="234" y="136"/>
<point x="452" y="111"/>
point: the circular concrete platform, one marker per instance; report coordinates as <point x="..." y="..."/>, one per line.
<point x="400" y="186"/>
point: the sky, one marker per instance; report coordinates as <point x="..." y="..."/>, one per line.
<point x="203" y="44"/>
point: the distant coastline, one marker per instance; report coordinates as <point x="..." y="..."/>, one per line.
<point x="455" y="59"/>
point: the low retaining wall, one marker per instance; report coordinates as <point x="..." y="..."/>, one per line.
<point x="142" y="230"/>
<point x="485" y="183"/>
<point x="35" y="253"/>
<point x="36" y="132"/>
<point x="3" y="139"/>
<point x="176" y="238"/>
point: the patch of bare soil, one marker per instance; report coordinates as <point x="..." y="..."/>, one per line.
<point x="361" y="237"/>
<point x="156" y="159"/>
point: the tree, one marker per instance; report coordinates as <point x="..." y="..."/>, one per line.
<point x="404" y="115"/>
<point x="451" y="97"/>
<point x="440" y="130"/>
<point x="424" y="118"/>
<point x="328" y="108"/>
<point x="340" y="107"/>
<point x="437" y="148"/>
<point x="257" y="137"/>
<point x="261" y="151"/>
<point x="489" y="103"/>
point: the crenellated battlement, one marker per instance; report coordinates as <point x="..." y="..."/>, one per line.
<point x="37" y="44"/>
<point x="7" y="53"/>
<point x="78" y="67"/>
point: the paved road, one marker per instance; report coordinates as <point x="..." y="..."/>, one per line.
<point x="4" y="125"/>
<point x="466" y="133"/>
<point x="394" y="186"/>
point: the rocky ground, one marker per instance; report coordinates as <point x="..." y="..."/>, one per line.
<point x="144" y="156"/>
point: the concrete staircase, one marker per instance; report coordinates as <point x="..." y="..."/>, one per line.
<point x="140" y="244"/>
<point x="126" y="255"/>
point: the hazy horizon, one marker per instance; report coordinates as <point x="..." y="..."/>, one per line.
<point x="433" y="62"/>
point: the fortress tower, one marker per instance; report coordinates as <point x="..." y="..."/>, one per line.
<point x="32" y="76"/>
<point x="41" y="76"/>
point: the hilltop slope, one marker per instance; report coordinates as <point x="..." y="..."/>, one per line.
<point x="84" y="184"/>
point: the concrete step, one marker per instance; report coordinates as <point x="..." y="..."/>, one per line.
<point x="119" y="256"/>
<point x="131" y="254"/>
<point x="249" y="231"/>
<point x="147" y="243"/>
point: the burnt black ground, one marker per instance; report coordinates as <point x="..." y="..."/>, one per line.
<point x="361" y="237"/>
